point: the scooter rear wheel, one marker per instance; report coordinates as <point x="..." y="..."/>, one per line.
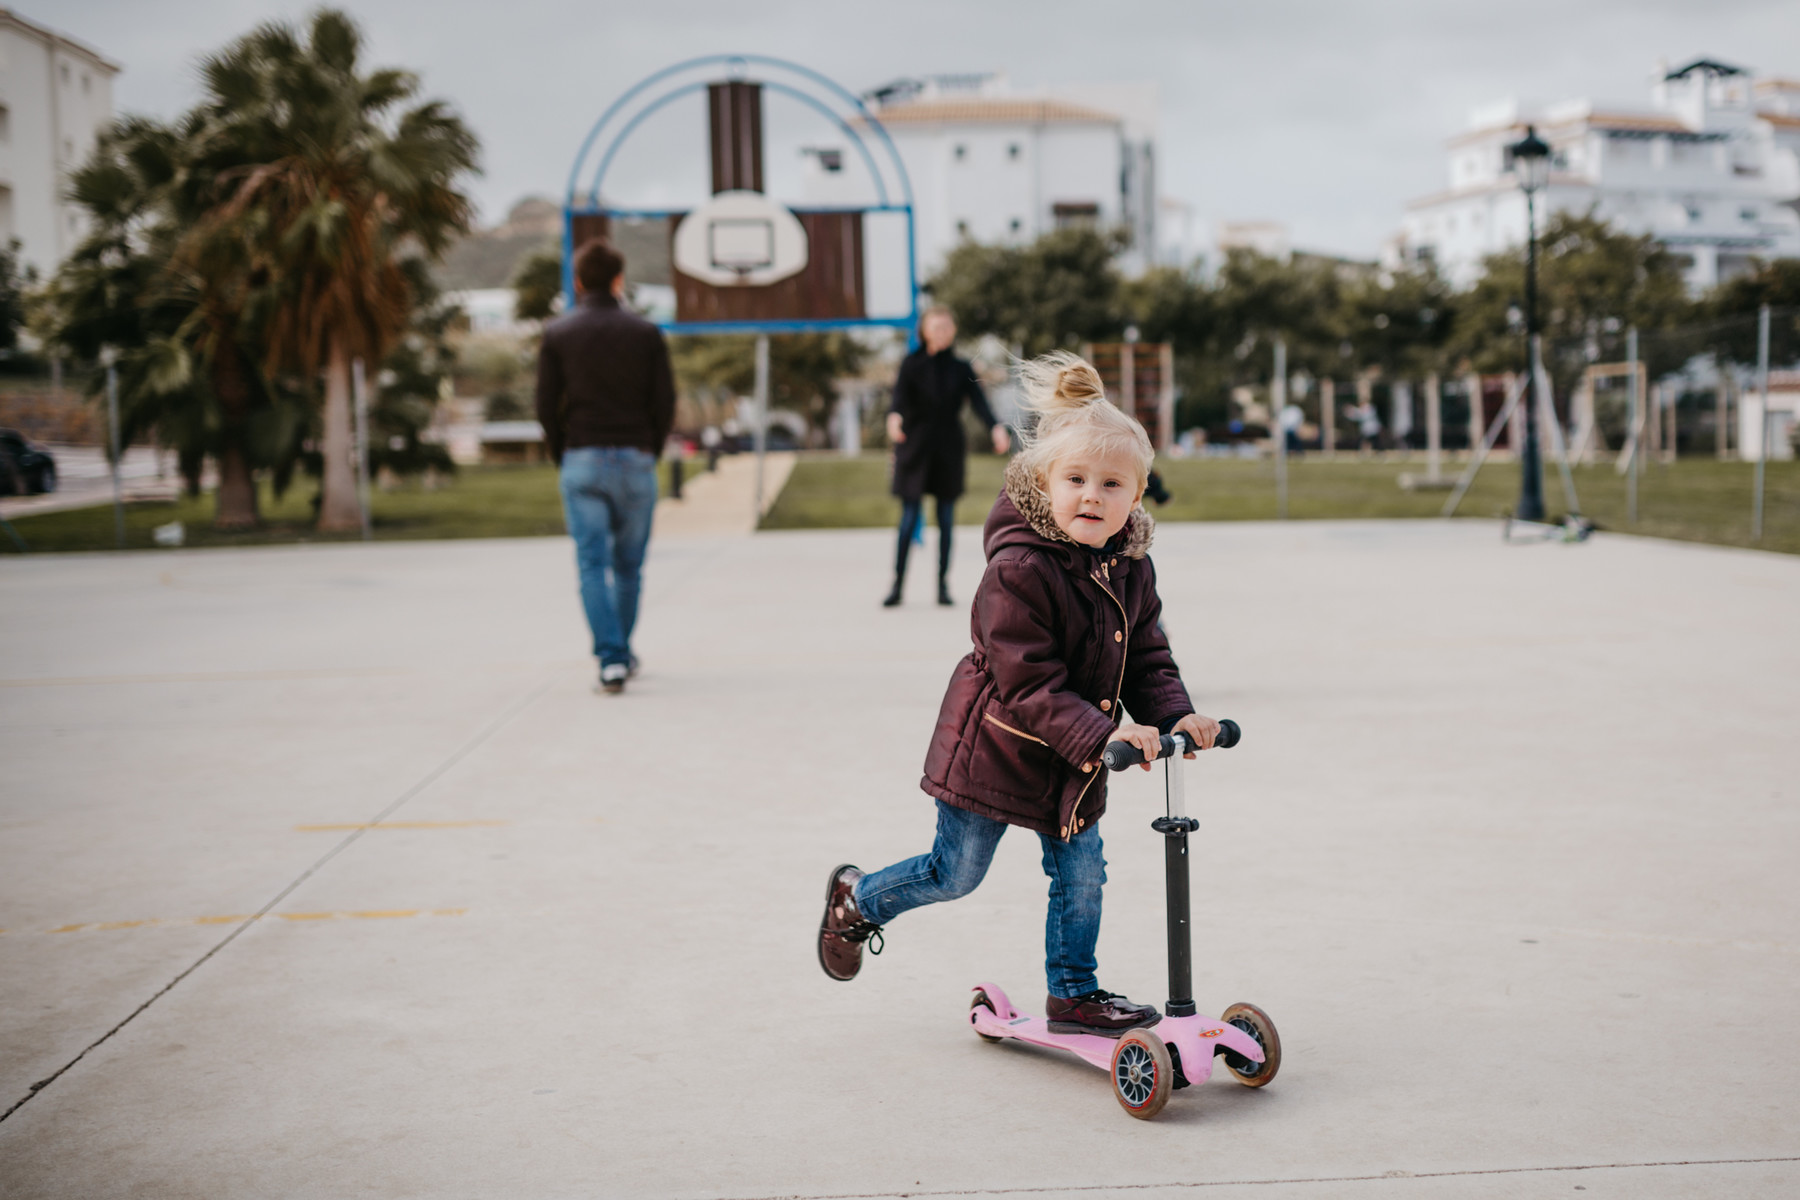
<point x="1255" y="1022"/>
<point x="1142" y="1074"/>
<point x="980" y="1000"/>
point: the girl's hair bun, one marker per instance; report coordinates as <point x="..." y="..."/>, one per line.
<point x="1059" y="381"/>
<point x="1066" y="409"/>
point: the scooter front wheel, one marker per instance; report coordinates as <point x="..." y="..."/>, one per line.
<point x="1142" y="1074"/>
<point x="979" y="1001"/>
<point x="1255" y="1022"/>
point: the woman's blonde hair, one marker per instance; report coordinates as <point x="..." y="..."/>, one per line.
<point x="1067" y="412"/>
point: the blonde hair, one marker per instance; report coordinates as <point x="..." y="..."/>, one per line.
<point x="1067" y="412"/>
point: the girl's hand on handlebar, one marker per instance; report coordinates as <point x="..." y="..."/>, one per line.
<point x="1202" y="729"/>
<point x="1145" y="737"/>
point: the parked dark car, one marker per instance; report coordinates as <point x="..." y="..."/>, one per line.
<point x="26" y="468"/>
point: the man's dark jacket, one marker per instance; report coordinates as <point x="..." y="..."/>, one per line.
<point x="929" y="394"/>
<point x="604" y="380"/>
<point x="1064" y="638"/>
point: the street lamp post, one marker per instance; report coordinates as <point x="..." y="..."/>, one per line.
<point x="1531" y="164"/>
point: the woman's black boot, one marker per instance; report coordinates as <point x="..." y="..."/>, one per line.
<point x="944" y="590"/>
<point x="893" y="596"/>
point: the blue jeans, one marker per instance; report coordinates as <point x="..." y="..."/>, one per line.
<point x="957" y="863"/>
<point x="609" y="494"/>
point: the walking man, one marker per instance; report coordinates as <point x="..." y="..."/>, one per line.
<point x="606" y="400"/>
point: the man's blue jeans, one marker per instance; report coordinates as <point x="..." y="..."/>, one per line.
<point x="609" y="494"/>
<point x="958" y="861"/>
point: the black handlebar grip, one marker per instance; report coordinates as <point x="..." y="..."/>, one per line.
<point x="1119" y="755"/>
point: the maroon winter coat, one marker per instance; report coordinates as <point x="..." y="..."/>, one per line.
<point x="1064" y="637"/>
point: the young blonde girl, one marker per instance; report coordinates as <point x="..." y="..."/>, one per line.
<point x="1067" y="640"/>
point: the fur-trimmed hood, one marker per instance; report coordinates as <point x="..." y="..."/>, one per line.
<point x="1030" y="515"/>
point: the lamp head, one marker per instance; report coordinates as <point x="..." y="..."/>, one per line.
<point x="1530" y="157"/>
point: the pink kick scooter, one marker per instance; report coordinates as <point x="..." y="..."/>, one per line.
<point x="1148" y="1064"/>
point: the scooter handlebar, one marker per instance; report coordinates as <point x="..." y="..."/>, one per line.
<point x="1119" y="755"/>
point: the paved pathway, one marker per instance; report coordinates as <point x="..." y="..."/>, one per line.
<point x="1507" y="853"/>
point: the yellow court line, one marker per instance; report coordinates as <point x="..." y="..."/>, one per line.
<point x="349" y="826"/>
<point x="366" y="914"/>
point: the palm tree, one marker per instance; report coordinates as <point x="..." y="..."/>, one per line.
<point x="344" y="190"/>
<point x="174" y="312"/>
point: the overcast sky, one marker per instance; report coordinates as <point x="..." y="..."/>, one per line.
<point x="1327" y="115"/>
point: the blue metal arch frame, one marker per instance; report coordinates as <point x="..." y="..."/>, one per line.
<point x="573" y="206"/>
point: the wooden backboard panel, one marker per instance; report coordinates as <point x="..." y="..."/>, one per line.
<point x="831" y="286"/>
<point x="735" y="120"/>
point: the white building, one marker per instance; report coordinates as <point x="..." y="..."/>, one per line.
<point x="1711" y="169"/>
<point x="55" y="98"/>
<point x="990" y="166"/>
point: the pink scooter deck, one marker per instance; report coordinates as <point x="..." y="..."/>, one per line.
<point x="1196" y="1038"/>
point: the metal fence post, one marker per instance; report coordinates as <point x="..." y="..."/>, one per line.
<point x="762" y="420"/>
<point x="112" y="435"/>
<point x="1762" y="434"/>
<point x="1278" y="411"/>
<point x="1635" y="405"/>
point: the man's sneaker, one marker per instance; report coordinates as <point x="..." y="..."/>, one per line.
<point x="613" y="677"/>
<point x="1100" y="1013"/>
<point x="843" y="932"/>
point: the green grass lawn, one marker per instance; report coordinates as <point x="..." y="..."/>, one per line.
<point x="1697" y="500"/>
<point x="476" y="502"/>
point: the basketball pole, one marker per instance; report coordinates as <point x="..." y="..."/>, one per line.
<point x="762" y="420"/>
<point x="1278" y="407"/>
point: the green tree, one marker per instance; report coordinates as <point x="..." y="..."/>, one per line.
<point x="14" y="283"/>
<point x="1592" y="279"/>
<point x="174" y="299"/>
<point x="1399" y="321"/>
<point x="803" y="368"/>
<point x="538" y="282"/>
<point x="1058" y="291"/>
<point x="345" y="190"/>
<point x="1734" y="305"/>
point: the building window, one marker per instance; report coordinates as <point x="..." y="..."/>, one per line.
<point x="87" y="85"/>
<point x="1075" y="214"/>
<point x="5" y="124"/>
<point x="960" y="152"/>
<point x="1747" y="214"/>
<point x="962" y="229"/>
<point x="65" y="72"/>
<point x="1693" y="213"/>
<point x="1013" y="151"/>
<point x="1017" y="224"/>
<point x="68" y="150"/>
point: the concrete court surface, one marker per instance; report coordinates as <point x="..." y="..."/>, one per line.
<point x="1507" y="852"/>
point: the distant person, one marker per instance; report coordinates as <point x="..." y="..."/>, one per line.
<point x="1368" y="423"/>
<point x="1067" y="639"/>
<point x="606" y="399"/>
<point x="930" y="450"/>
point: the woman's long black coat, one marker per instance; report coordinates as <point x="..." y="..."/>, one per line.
<point x="929" y="394"/>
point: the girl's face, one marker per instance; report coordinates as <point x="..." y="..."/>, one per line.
<point x="1091" y="494"/>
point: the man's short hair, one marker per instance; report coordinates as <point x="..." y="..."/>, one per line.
<point x="597" y="264"/>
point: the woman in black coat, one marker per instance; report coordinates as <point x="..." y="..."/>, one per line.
<point x="930" y="451"/>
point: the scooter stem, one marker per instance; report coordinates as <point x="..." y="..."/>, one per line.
<point x="1175" y="827"/>
<point x="1181" y="949"/>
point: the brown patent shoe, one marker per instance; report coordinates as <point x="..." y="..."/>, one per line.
<point x="843" y="932"/>
<point x="1100" y="1013"/>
